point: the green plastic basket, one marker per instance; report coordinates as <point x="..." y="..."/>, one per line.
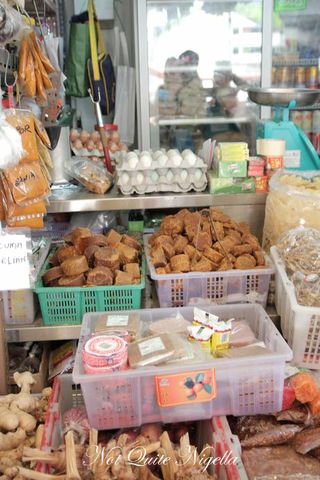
<point x="67" y="305"/>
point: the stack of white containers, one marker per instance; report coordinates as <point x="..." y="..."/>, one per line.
<point x="160" y="171"/>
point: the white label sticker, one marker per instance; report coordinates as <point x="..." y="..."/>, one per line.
<point x="14" y="264"/>
<point x="292" y="159"/>
<point x="117" y="320"/>
<point x="150" y="346"/>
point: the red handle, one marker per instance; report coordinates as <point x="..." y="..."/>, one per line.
<point x="107" y="159"/>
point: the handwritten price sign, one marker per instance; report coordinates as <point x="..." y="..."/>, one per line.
<point x="14" y="264"/>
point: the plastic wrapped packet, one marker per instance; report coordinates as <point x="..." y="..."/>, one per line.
<point x="293" y="200"/>
<point x="11" y="22"/>
<point x="307" y="288"/>
<point x="300" y="250"/>
<point x="151" y="351"/>
<point x="95" y="178"/>
<point x="174" y="324"/>
<point x="241" y="334"/>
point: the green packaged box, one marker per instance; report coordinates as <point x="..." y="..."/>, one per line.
<point x="230" y="185"/>
<point x="232" y="169"/>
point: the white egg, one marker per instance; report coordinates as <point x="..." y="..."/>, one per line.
<point x="139" y="178"/>
<point x="186" y="151"/>
<point x="183" y="175"/>
<point x="125" y="178"/>
<point x="172" y="151"/>
<point x="190" y="158"/>
<point x="162" y="160"/>
<point x="176" y="159"/>
<point x="197" y="174"/>
<point x="146" y="160"/>
<point x="132" y="155"/>
<point x="154" y="177"/>
<point x="157" y="154"/>
<point x="133" y="162"/>
<point x="169" y="176"/>
<point x="145" y="152"/>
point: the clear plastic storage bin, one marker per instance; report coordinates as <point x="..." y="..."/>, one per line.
<point x="300" y="325"/>
<point x="233" y="286"/>
<point x="245" y="386"/>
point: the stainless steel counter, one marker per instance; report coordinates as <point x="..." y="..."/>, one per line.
<point x="80" y="200"/>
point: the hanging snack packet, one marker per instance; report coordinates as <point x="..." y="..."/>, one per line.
<point x="25" y="184"/>
<point x="23" y="121"/>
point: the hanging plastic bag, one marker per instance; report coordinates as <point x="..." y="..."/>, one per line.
<point x="10" y="144"/>
<point x="11" y="22"/>
<point x="23" y="121"/>
<point x="125" y="92"/>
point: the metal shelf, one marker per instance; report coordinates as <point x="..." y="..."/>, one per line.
<point x="199" y="121"/>
<point x="80" y="200"/>
<point x="300" y="62"/>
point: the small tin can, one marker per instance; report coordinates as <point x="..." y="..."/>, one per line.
<point x="300" y="77"/>
<point x="312" y="77"/>
<point x="297" y="118"/>
<point x="284" y="77"/>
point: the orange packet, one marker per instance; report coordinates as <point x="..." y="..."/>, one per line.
<point x="305" y="387"/>
<point x="26" y="183"/>
<point x="315" y="405"/>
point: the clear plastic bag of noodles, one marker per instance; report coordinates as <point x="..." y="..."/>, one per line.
<point x="293" y="200"/>
<point x="23" y="121"/>
<point x="25" y="184"/>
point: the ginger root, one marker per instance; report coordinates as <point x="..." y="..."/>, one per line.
<point x="24" y="381"/>
<point x="8" y="420"/>
<point x="26" y="421"/>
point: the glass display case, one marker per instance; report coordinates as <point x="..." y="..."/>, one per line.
<point x="295" y="56"/>
<point x="197" y="59"/>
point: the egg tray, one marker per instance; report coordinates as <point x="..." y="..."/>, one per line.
<point x="83" y="152"/>
<point x="162" y="187"/>
<point x="123" y="164"/>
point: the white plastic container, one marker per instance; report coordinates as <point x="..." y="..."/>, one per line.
<point x="20" y="306"/>
<point x="232" y="286"/>
<point x="300" y="325"/>
<point x="245" y="386"/>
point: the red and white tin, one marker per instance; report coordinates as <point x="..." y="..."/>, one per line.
<point x="105" y="351"/>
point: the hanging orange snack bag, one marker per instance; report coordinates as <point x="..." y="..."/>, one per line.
<point x="26" y="183"/>
<point x="305" y="387"/>
<point x="24" y="123"/>
<point x="36" y="222"/>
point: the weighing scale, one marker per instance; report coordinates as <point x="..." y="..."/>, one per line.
<point x="300" y="153"/>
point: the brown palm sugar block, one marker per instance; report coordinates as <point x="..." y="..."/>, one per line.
<point x="158" y="239"/>
<point x="75" y="266"/>
<point x="171" y="225"/>
<point x="68" y="238"/>
<point x="190" y="251"/>
<point x="203" y="265"/>
<point x="259" y="256"/>
<point x="107" y="257"/>
<point x="80" y="238"/>
<point x="113" y="237"/>
<point x="100" y="276"/>
<point x="127" y="254"/>
<point x="123" y="278"/>
<point x="245" y="262"/>
<point x="180" y="244"/>
<point x="202" y="240"/>
<point x="241" y="249"/>
<point x="168" y="250"/>
<point x="161" y="271"/>
<point x="133" y="269"/>
<point x="89" y="254"/>
<point x="72" y="281"/>
<point x="98" y="239"/>
<point x="52" y="274"/>
<point x="65" y="252"/>
<point x="158" y="257"/>
<point x="180" y="263"/>
<point x="131" y="242"/>
<point x="213" y="255"/>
